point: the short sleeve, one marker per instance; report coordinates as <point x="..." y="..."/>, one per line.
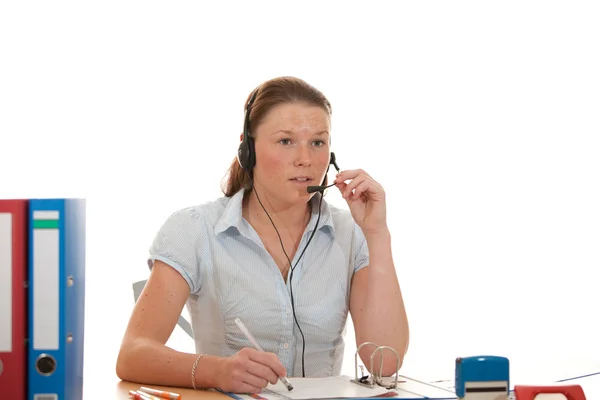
<point x="177" y="244"/>
<point x="361" y="250"/>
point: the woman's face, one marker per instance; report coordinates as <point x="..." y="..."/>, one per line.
<point x="292" y="151"/>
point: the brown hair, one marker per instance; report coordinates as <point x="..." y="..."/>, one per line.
<point x="286" y="89"/>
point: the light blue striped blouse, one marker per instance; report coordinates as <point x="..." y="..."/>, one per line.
<point x="231" y="274"/>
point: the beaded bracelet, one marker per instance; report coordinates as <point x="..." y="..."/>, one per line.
<point x="194" y="370"/>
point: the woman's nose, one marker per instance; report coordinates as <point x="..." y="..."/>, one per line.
<point x="302" y="156"/>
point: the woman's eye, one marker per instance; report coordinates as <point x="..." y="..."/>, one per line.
<point x="285" y="141"/>
<point x="319" y="143"/>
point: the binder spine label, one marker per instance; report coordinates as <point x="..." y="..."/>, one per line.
<point x="46" y="275"/>
<point x="45" y="397"/>
<point x="6" y="282"/>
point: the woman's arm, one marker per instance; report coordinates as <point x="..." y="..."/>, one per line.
<point x="376" y="305"/>
<point x="144" y="358"/>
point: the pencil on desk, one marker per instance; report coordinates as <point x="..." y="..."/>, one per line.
<point x="161" y="394"/>
<point x="137" y="395"/>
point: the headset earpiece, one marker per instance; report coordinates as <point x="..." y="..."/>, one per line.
<point x="246" y="155"/>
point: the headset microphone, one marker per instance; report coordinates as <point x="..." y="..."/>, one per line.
<point x="312" y="189"/>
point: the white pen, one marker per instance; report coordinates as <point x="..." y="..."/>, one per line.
<point x="246" y="332"/>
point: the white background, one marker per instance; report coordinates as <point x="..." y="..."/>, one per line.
<point x="480" y="119"/>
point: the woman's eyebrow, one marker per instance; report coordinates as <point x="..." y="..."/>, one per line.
<point x="293" y="133"/>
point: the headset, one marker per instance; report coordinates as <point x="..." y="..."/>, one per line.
<point x="246" y="154"/>
<point x="246" y="157"/>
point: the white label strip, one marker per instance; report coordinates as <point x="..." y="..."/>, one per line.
<point x="45" y="397"/>
<point x="45" y="289"/>
<point x="45" y="215"/>
<point x="5" y="282"/>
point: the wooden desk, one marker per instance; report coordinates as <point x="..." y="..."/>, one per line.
<point x="123" y="388"/>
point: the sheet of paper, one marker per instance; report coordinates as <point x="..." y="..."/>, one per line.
<point x="322" y="388"/>
<point x="341" y="387"/>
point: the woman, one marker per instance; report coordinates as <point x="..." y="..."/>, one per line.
<point x="281" y="259"/>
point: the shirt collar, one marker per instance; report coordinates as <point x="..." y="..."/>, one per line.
<point x="232" y="215"/>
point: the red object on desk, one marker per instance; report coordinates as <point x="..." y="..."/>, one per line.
<point x="572" y="392"/>
<point x="13" y="264"/>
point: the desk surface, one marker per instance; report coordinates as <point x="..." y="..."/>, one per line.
<point x="123" y="388"/>
<point x="590" y="384"/>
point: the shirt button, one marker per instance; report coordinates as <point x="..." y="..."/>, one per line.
<point x="286" y="345"/>
<point x="288" y="311"/>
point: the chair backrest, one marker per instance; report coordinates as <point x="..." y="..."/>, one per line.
<point x="182" y="322"/>
<point x="571" y="392"/>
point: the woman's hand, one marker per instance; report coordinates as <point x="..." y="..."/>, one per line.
<point x="249" y="371"/>
<point x="366" y="199"/>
